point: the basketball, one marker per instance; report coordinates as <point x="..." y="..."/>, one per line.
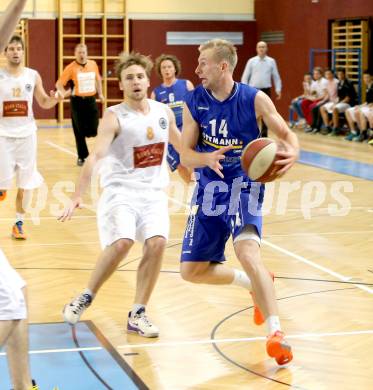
<point x="257" y="160"/>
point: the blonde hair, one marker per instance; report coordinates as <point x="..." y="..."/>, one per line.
<point x="223" y="51"/>
<point x="169" y="57"/>
<point x="128" y="59"/>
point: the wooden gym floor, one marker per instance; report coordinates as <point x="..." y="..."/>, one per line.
<point x="208" y="339"/>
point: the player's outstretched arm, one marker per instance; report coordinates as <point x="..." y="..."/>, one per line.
<point x="41" y="96"/>
<point x="289" y="150"/>
<point x="108" y="129"/>
<point x="189" y="138"/>
<point x="9" y="20"/>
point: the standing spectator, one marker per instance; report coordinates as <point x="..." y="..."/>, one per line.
<point x="346" y="97"/>
<point x="258" y="73"/>
<point x="332" y="96"/>
<point x="85" y="77"/>
<point x="296" y="103"/>
<point x="172" y="92"/>
<point x="353" y="113"/>
<point x="318" y="93"/>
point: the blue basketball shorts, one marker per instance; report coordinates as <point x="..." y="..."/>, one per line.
<point x="215" y="217"/>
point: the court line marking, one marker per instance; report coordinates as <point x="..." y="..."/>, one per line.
<point x="61" y="350"/>
<point x="315" y="265"/>
<point x="25" y="244"/>
<point x="245" y="339"/>
<point x="60" y="148"/>
<point x="273" y="246"/>
<point x="200" y="342"/>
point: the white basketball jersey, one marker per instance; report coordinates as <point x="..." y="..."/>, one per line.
<point x="137" y="156"/>
<point x="16" y="96"/>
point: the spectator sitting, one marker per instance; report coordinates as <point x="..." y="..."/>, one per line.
<point x="345" y="99"/>
<point x="331" y="87"/>
<point x="370" y="130"/>
<point x="353" y="113"/>
<point x="318" y="93"/>
<point x="296" y="102"/>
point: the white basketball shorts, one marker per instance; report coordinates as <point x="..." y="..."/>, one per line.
<point x="12" y="299"/>
<point x="132" y="213"/>
<point x="18" y="158"/>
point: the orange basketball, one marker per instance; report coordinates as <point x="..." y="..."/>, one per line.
<point x="257" y="160"/>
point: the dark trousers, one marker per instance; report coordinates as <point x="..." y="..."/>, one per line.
<point x="84" y="116"/>
<point x="264" y="129"/>
<point x="316" y="117"/>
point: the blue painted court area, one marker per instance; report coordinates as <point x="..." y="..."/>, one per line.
<point x="64" y="361"/>
<point x="337" y="164"/>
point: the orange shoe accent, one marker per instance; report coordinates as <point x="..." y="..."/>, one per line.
<point x="17" y="231"/>
<point x="279" y="349"/>
<point x="258" y="316"/>
<point x="2" y="195"/>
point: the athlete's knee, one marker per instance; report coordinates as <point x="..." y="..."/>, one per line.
<point x="156" y="245"/>
<point x="122" y="246"/>
<point x="248" y="254"/>
<point x="192" y="272"/>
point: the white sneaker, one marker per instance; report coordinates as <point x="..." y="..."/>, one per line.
<point x="73" y="311"/>
<point x="140" y="324"/>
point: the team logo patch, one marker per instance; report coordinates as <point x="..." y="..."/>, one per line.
<point x="163" y="123"/>
<point x="28" y="87"/>
<point x="150" y="133"/>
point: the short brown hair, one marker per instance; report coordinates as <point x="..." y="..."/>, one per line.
<point x="16" y="39"/>
<point x="319" y="69"/>
<point x="223" y="50"/>
<point x="128" y="59"/>
<point x="169" y="57"/>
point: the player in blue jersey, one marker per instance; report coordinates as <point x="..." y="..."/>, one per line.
<point x="172" y="92"/>
<point x="220" y="117"/>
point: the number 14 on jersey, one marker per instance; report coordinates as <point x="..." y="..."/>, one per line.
<point x="223" y="128"/>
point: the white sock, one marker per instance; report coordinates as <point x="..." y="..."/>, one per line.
<point x="20" y="217"/>
<point x="136" y="307"/>
<point x="273" y="324"/>
<point x="241" y="279"/>
<point x="89" y="292"/>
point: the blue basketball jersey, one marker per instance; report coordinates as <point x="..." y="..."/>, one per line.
<point x="230" y="122"/>
<point x="173" y="96"/>
<point x="222" y="207"/>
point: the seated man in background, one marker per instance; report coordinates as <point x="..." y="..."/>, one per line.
<point x="369" y="116"/>
<point x="353" y="113"/>
<point x="346" y="96"/>
<point x="296" y="103"/>
<point x="318" y="93"/>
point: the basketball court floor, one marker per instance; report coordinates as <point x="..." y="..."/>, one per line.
<point x="318" y="240"/>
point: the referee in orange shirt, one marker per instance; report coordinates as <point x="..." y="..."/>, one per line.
<point x="83" y="77"/>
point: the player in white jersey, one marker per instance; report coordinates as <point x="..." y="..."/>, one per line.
<point x="18" y="144"/>
<point x="13" y="311"/>
<point x="132" y="146"/>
